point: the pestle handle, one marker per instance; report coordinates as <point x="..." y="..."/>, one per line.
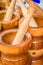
<point x="9" y="12"/>
<point x="24" y="10"/>
<point x="23" y="28"/>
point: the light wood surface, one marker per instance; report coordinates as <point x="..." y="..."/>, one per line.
<point x="9" y="12"/>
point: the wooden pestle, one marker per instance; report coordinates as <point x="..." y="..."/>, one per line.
<point x="9" y="12"/>
<point x="24" y="27"/>
<point x="24" y="10"/>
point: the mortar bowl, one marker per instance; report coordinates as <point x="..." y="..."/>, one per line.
<point x="6" y="47"/>
<point x="13" y="23"/>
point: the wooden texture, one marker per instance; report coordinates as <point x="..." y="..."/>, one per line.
<point x="0" y="61"/>
<point x="9" y="12"/>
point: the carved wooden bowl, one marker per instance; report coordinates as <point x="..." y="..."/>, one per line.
<point x="6" y="46"/>
<point x="13" y="23"/>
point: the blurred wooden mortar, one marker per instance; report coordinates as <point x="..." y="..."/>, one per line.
<point x="6" y="47"/>
<point x="13" y="23"/>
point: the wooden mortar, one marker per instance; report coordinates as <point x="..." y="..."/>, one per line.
<point x="6" y="46"/>
<point x="13" y="23"/>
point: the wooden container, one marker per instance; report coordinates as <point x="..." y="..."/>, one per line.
<point x="6" y="46"/>
<point x="13" y="23"/>
<point x="15" y="59"/>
